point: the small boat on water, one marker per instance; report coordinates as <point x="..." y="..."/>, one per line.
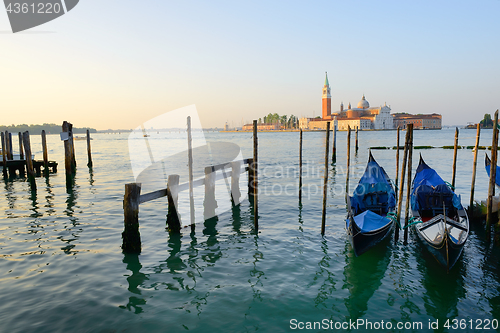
<point x="439" y="219"/>
<point x="80" y="138"/>
<point x="373" y="199"/>
<point x="487" y="164"/>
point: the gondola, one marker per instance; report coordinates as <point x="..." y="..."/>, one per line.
<point x="439" y="219"/>
<point x="487" y="164"/>
<point x="373" y="199"/>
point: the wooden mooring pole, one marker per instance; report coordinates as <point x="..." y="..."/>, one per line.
<point x="209" y="203"/>
<point x="474" y="165"/>
<point x="397" y="166"/>
<point x="131" y="236"/>
<point x="334" y="150"/>
<point x="455" y="150"/>
<point x="408" y="184"/>
<point x="69" y="159"/>
<point x="348" y="159"/>
<point x="4" y="155"/>
<point x="89" y="153"/>
<point x="325" y="179"/>
<point x="21" y="150"/>
<point x="300" y="166"/>
<point x="357" y="128"/>
<point x="7" y="145"/>
<point x="493" y="169"/>
<point x="173" y="218"/>
<point x="401" y="185"/>
<point x="29" y="161"/>
<point x="190" y="166"/>
<point x="255" y="178"/>
<point x="45" y="154"/>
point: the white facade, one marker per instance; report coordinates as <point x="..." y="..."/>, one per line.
<point x="383" y="120"/>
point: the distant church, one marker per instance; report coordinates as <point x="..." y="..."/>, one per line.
<point x="362" y="117"/>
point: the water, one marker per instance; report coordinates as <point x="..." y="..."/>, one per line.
<point x="62" y="268"/>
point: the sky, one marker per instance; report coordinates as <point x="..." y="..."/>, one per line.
<point x="117" y="64"/>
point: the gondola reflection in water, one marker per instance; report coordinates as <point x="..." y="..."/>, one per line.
<point x="368" y="221"/>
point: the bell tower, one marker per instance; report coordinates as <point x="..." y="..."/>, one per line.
<point x="327" y="100"/>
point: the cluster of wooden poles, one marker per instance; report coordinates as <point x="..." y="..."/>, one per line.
<point x="133" y="197"/>
<point x="27" y="165"/>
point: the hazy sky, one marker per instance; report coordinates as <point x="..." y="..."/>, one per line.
<point x="116" y="64"/>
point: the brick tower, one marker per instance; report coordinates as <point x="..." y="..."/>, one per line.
<point x="327" y="100"/>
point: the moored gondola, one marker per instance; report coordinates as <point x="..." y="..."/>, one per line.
<point x="439" y="219"/>
<point x="487" y="165"/>
<point x="373" y="199"/>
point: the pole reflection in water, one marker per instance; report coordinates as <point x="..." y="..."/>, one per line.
<point x="327" y="288"/>
<point x="74" y="227"/>
<point x="134" y="280"/>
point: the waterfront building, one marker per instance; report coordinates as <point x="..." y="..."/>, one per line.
<point x="419" y="121"/>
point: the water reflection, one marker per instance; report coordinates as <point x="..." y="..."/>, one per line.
<point x="363" y="276"/>
<point x="136" y="279"/>
<point x="327" y="288"/>
<point x="443" y="290"/>
<point x="71" y="204"/>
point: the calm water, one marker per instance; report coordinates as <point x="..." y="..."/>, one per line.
<point x="62" y="268"/>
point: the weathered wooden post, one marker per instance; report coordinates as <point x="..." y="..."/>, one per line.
<point x="255" y="178"/>
<point x="190" y="166"/>
<point x="209" y="203"/>
<point x="408" y="184"/>
<point x="454" y="159"/>
<point x="89" y="154"/>
<point x="300" y="166"/>
<point x="29" y="162"/>
<point x="173" y="218"/>
<point x="325" y="181"/>
<point x="250" y="178"/>
<point x="493" y="169"/>
<point x="348" y="159"/>
<point x="7" y="146"/>
<point x="131" y="236"/>
<point x="21" y="151"/>
<point x="4" y="155"/>
<point x="357" y="128"/>
<point x="402" y="184"/>
<point x="397" y="166"/>
<point x="68" y="150"/>
<point x="11" y="151"/>
<point x="474" y="165"/>
<point x="235" y="182"/>
<point x="334" y="150"/>
<point x="45" y="154"/>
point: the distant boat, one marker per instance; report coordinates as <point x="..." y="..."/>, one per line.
<point x="373" y="199"/>
<point x="487" y="164"/>
<point x="80" y="138"/>
<point x="146" y="135"/>
<point x="439" y="218"/>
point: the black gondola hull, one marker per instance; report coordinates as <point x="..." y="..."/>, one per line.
<point x="363" y="241"/>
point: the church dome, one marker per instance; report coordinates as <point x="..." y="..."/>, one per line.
<point x="363" y="103"/>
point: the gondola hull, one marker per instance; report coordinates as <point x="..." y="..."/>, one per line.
<point x="447" y="250"/>
<point x="367" y="222"/>
<point x="363" y="241"/>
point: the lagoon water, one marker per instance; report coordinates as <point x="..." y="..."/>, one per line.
<point x="62" y="268"/>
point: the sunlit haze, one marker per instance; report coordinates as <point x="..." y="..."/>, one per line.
<point x="117" y="64"/>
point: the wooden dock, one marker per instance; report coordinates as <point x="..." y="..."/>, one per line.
<point x="19" y="167"/>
